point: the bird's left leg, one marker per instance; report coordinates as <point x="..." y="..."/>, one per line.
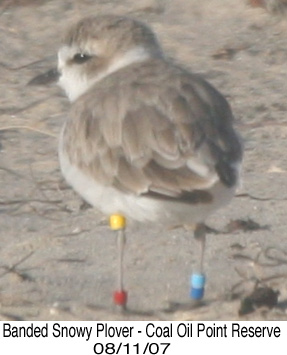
<point x="198" y="278"/>
<point x="118" y="224"/>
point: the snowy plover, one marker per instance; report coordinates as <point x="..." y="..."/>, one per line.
<point x="146" y="140"/>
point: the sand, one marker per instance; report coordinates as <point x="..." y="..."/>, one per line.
<point x="57" y="255"/>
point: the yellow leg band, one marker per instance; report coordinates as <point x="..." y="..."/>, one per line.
<point x="117" y="222"/>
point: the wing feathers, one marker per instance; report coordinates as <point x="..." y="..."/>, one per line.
<point x="170" y="138"/>
<point x="131" y="178"/>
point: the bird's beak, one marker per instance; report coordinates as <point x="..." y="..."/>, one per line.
<point x="51" y="76"/>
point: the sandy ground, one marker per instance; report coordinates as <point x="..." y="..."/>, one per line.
<point x="57" y="256"/>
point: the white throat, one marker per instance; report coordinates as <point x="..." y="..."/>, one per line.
<point x="76" y="85"/>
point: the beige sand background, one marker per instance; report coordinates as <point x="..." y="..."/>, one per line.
<point x="57" y="256"/>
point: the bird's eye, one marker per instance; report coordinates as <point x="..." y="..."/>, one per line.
<point x="80" y="58"/>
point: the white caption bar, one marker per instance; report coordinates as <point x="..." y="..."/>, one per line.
<point x="139" y="338"/>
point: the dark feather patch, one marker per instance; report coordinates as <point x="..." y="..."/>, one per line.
<point x="193" y="197"/>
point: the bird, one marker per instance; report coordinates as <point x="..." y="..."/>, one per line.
<point x="146" y="140"/>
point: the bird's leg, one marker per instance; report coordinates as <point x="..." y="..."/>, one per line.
<point x="198" y="278"/>
<point x="121" y="240"/>
<point x="199" y="235"/>
<point x="118" y="224"/>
